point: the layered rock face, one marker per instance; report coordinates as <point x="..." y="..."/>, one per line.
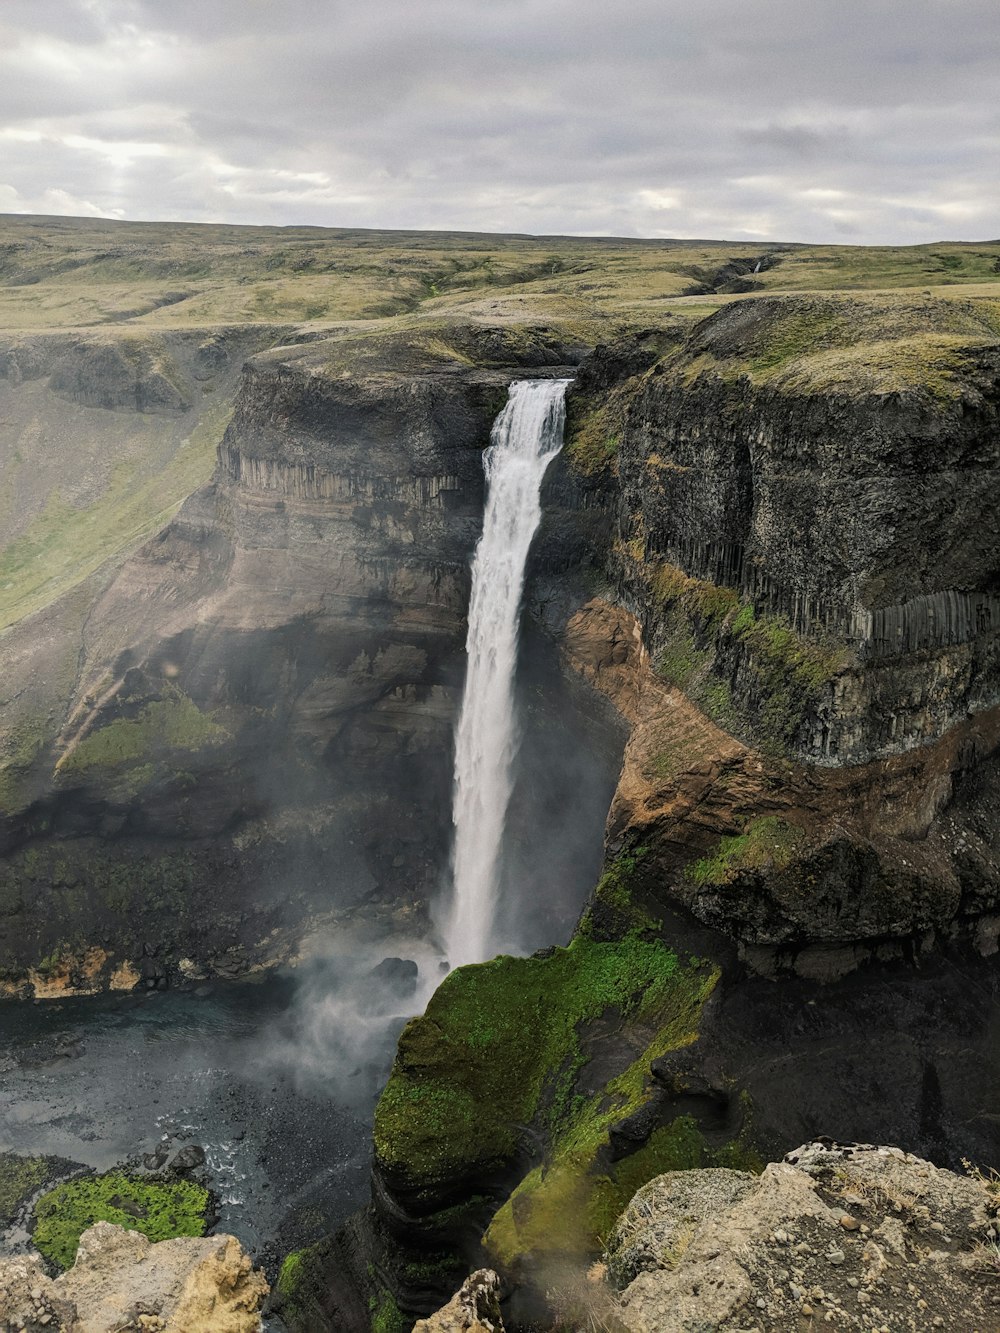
<point x="805" y="560"/>
<point x="260" y="726"/>
<point x="833" y="464"/>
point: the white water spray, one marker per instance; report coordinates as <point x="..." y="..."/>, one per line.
<point x="526" y="437"/>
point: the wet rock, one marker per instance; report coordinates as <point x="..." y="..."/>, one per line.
<point x="398" y="975"/>
<point x="189" y="1158"/>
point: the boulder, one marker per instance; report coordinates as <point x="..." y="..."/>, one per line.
<point x="852" y="1235"/>
<point x="475" y="1308"/>
<point x="121" y="1281"/>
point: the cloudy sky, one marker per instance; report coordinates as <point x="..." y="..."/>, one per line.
<point x="843" y="120"/>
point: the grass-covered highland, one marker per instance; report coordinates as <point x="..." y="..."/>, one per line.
<point x="83" y="483"/>
<point x="74" y="272"/>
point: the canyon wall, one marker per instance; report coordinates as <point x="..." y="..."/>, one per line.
<point x="254" y="730"/>
<point x="772" y="543"/>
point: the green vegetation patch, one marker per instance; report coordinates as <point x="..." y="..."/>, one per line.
<point x="64" y="542"/>
<point x="172" y="723"/>
<point x="499" y="1046"/>
<point x="301" y="1287"/>
<point x="768" y="843"/>
<point x="847" y="344"/>
<point x="19" y="1178"/>
<point x="159" y="1210"/>
<point x="706" y="628"/>
<point x="387" y="1316"/>
<point x="594" y="440"/>
<point x="569" y="1203"/>
<point x="617" y="909"/>
<point x="786" y="674"/>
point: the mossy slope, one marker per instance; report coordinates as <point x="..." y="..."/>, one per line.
<point x="518" y="1073"/>
<point x="491" y="1054"/>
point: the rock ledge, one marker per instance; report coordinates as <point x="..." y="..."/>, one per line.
<point x="123" y="1282"/>
<point x="852" y="1236"/>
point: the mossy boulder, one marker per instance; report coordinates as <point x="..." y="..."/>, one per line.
<point x="467" y="1082"/>
<point x="503" y="1110"/>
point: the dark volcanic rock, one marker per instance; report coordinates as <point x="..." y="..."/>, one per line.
<point x="188" y="1159"/>
<point x="260" y="733"/>
<point x="396" y="975"/>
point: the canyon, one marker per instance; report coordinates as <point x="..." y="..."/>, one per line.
<point x="755" y="838"/>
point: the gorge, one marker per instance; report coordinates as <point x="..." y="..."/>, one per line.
<point x="753" y="827"/>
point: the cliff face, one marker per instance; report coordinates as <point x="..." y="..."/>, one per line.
<point x="804" y="560"/>
<point x="259" y="727"/>
<point x="831" y="464"/>
<point x="771" y="543"/>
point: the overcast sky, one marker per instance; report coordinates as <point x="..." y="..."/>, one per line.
<point x="843" y="120"/>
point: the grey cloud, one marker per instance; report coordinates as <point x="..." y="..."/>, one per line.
<point x="783" y="120"/>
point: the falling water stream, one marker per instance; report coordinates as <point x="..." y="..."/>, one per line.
<point x="526" y="437"/>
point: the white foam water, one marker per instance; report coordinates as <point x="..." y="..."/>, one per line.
<point x="526" y="436"/>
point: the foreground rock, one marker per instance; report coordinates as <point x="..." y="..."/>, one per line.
<point x="851" y="1236"/>
<point x="122" y="1281"/>
<point x="475" y="1308"/>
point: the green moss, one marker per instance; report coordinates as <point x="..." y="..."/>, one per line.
<point x="845" y="345"/>
<point x="172" y="723"/>
<point x="19" y="1178"/>
<point x="301" y="1286"/>
<point x="567" y="1205"/>
<point x="766" y="843"/>
<point x="614" y="888"/>
<point x="617" y="901"/>
<point x="680" y="658"/>
<point x="387" y="1316"/>
<point x="743" y="619"/>
<point x="465" y="1079"/>
<point x="926" y="363"/>
<point x="787" y="673"/>
<point x="433" y="1271"/>
<point x="51" y="964"/>
<point x="782" y="674"/>
<point x="799" y="333"/>
<point x="290" y="1274"/>
<point x="158" y="1210"/>
<point x="715" y="698"/>
<point x="592" y="441"/>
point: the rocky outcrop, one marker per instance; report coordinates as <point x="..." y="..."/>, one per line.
<point x="810" y="659"/>
<point x="902" y="850"/>
<point x="850" y="1235"/>
<point x="475" y="1308"/>
<point x="803" y="494"/>
<point x="122" y="1282"/>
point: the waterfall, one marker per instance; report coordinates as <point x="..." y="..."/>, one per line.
<point x="526" y="436"/>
